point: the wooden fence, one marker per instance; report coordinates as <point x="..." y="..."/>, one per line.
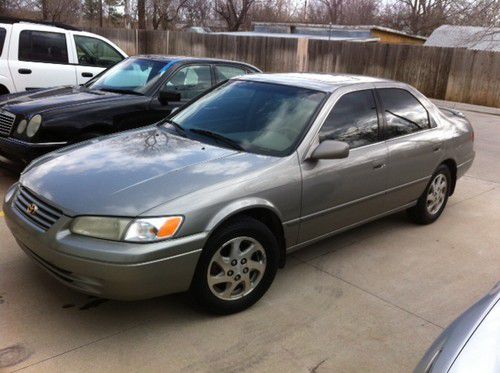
<point x="452" y="74"/>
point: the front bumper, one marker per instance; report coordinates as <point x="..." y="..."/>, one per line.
<point x="24" y="152"/>
<point x="115" y="270"/>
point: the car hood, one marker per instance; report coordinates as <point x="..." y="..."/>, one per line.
<point x="122" y="175"/>
<point x="46" y="100"/>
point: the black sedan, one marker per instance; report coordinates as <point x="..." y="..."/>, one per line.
<point x="138" y="91"/>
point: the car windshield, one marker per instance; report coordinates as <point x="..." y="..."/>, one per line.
<point x="257" y="117"/>
<point x="133" y="75"/>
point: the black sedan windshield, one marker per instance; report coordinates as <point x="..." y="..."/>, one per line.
<point x="134" y="75"/>
<point x="257" y="117"/>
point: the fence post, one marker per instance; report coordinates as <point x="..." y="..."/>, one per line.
<point x="302" y="54"/>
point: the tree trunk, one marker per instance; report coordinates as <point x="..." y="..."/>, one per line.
<point x="45" y="10"/>
<point x="141" y="13"/>
<point x="100" y="13"/>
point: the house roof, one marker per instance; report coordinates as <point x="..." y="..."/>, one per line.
<point x="476" y="38"/>
<point x="345" y="28"/>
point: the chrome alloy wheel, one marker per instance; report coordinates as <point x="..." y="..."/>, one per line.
<point x="236" y="268"/>
<point x="436" y="194"/>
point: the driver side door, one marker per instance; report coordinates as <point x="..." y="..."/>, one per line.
<point x="338" y="193"/>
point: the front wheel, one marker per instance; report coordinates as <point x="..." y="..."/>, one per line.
<point x="432" y="202"/>
<point x="236" y="267"/>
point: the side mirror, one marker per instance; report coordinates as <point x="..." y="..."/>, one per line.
<point x="168" y="96"/>
<point x="331" y="149"/>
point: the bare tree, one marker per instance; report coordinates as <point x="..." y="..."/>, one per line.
<point x="334" y="10"/>
<point x="165" y="12"/>
<point x="198" y="12"/>
<point x="423" y="16"/>
<point x="141" y="14"/>
<point x="233" y="12"/>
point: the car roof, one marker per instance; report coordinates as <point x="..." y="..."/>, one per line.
<point x="170" y="58"/>
<point x="320" y="82"/>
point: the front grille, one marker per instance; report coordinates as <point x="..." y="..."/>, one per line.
<point x="6" y="122"/>
<point x="43" y="216"/>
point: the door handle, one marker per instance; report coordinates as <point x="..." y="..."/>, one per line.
<point x="87" y="75"/>
<point x="436" y="148"/>
<point x="24" y="71"/>
<point x="378" y="166"/>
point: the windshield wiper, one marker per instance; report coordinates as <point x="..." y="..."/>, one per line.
<point x="233" y="144"/>
<point x="117" y="90"/>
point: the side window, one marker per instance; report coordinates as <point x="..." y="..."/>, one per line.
<point x="353" y="120"/>
<point x="95" y="52"/>
<point x="2" y="38"/>
<point x="42" y="46"/>
<point x="404" y="114"/>
<point x="225" y="72"/>
<point x="190" y="81"/>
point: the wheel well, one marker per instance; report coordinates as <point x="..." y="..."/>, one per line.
<point x="272" y="221"/>
<point x="452" y="166"/>
<point x="3" y="90"/>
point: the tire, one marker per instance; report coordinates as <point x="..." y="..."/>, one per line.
<point x="433" y="200"/>
<point x="244" y="247"/>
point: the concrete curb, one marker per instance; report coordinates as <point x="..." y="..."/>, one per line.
<point x="467" y="107"/>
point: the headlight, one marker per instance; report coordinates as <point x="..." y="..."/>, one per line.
<point x="121" y="229"/>
<point x="21" y="126"/>
<point x="100" y="227"/>
<point x="34" y="125"/>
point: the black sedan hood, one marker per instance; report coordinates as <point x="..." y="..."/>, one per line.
<point x="46" y="100"/>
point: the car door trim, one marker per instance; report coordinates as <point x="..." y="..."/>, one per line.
<point x="353" y="202"/>
<point x="343" y="229"/>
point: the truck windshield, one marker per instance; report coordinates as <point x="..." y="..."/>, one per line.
<point x="257" y="117"/>
<point x="133" y="75"/>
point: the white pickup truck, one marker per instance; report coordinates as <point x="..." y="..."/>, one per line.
<point x="35" y="55"/>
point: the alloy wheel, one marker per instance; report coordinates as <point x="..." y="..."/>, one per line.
<point x="436" y="194"/>
<point x="236" y="268"/>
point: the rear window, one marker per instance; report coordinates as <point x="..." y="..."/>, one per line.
<point x="225" y="72"/>
<point x="2" y="38"/>
<point x="43" y="46"/>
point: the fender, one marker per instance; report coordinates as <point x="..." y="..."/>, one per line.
<point x="7" y="83"/>
<point x="238" y="206"/>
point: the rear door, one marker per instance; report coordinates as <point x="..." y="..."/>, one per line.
<point x="5" y="80"/>
<point x="39" y="58"/>
<point x="414" y="147"/>
<point x="93" y="55"/>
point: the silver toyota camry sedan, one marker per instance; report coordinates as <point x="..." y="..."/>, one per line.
<point x="211" y="199"/>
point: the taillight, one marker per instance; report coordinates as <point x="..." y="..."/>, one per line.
<point x="472" y="135"/>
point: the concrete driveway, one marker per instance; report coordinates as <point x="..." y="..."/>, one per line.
<point x="372" y="299"/>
